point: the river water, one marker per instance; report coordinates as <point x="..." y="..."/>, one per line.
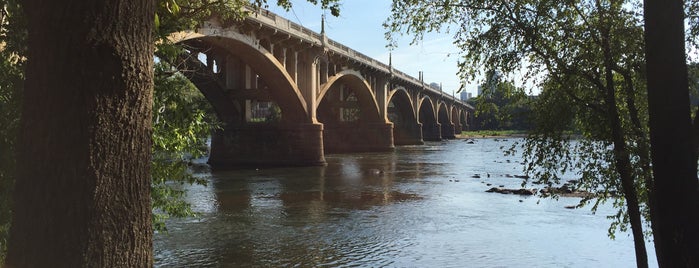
<point x="419" y="206"/>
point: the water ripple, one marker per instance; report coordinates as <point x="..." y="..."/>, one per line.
<point x="415" y="207"/>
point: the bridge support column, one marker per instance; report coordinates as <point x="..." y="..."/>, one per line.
<point x="457" y="128"/>
<point x="448" y="131"/>
<point x="381" y="90"/>
<point x="408" y="134"/>
<point x="432" y="132"/>
<point x="370" y="137"/>
<point x="267" y="145"/>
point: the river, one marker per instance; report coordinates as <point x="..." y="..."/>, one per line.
<point x="419" y="206"/>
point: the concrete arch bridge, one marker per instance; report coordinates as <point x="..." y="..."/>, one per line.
<point x="287" y="95"/>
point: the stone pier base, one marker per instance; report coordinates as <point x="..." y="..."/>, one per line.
<point x="458" y="129"/>
<point x="355" y="137"/>
<point x="432" y="132"/>
<point x="267" y="145"/>
<point x="408" y="134"/>
<point x="448" y="131"/>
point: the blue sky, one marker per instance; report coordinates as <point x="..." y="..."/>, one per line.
<point x="359" y="27"/>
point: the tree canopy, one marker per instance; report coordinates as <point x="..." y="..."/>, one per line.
<point x="588" y="60"/>
<point x="501" y="105"/>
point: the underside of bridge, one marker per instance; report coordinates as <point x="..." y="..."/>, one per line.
<point x="447" y="127"/>
<point x="456" y="119"/>
<point x="431" y="130"/>
<point x="406" y="129"/>
<point x="263" y="120"/>
<point x="350" y="118"/>
<point x="463" y="118"/>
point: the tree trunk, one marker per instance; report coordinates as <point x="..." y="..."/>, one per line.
<point x="82" y="192"/>
<point x="623" y="167"/>
<point x="622" y="158"/>
<point x="676" y="216"/>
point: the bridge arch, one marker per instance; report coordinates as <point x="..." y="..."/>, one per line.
<point x="400" y="94"/>
<point x="400" y="111"/>
<point x="350" y="115"/>
<point x="293" y="140"/>
<point x="464" y="120"/>
<point x="456" y="119"/>
<point x="283" y="89"/>
<point x="430" y="126"/>
<point x="444" y="119"/>
<point x="358" y="85"/>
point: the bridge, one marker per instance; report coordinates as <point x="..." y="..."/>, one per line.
<point x="287" y="95"/>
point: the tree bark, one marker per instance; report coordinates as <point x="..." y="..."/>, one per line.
<point x="676" y="216"/>
<point x="82" y="196"/>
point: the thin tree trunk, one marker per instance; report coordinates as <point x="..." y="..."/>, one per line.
<point x="82" y="192"/>
<point x="623" y="166"/>
<point x="676" y="216"/>
<point x="643" y="142"/>
<point x="621" y="153"/>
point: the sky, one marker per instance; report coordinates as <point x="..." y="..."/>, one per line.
<point x="359" y="27"/>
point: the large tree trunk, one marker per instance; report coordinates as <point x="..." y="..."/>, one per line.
<point x="676" y="208"/>
<point x="82" y="191"/>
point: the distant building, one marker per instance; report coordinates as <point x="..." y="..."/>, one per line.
<point x="435" y="85"/>
<point x="466" y="95"/>
<point x="492" y="81"/>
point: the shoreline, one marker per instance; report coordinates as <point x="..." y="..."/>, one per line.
<point x="490" y="135"/>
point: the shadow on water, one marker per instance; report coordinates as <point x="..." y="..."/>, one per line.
<point x="357" y="182"/>
<point x="302" y="216"/>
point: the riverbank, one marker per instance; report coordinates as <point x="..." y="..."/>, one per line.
<point x="493" y="134"/>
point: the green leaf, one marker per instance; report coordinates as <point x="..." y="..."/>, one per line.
<point x="157" y="21"/>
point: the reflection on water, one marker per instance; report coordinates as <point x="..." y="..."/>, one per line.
<point x="418" y="206"/>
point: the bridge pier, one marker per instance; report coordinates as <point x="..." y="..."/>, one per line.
<point x="357" y="137"/>
<point x="458" y="129"/>
<point x="408" y="134"/>
<point x="448" y="131"/>
<point x="432" y="132"/>
<point x="267" y="145"/>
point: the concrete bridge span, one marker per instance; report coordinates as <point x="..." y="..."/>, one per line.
<point x="287" y="95"/>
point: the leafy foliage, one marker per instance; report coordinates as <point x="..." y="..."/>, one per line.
<point x="501" y="105"/>
<point x="587" y="58"/>
<point x="181" y="125"/>
<point x="691" y="16"/>
<point x="564" y="145"/>
<point x="332" y="5"/>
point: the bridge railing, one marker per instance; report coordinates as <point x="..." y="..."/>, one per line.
<point x="298" y="31"/>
